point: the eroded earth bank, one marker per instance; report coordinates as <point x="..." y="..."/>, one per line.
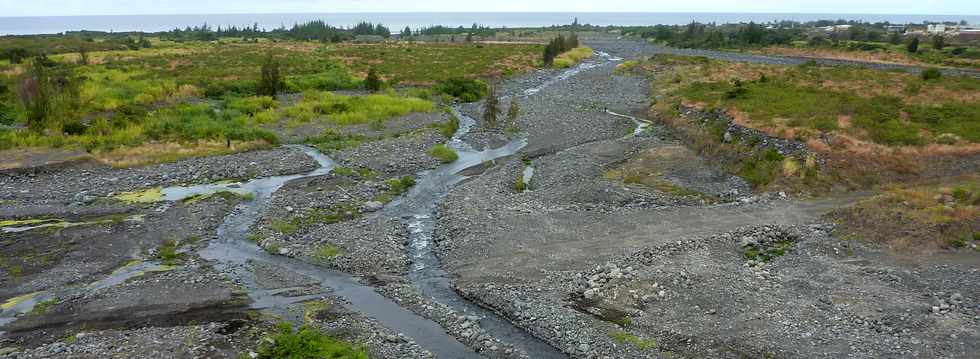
<point x="541" y="242"/>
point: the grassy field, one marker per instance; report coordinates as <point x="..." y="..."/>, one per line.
<point x="950" y="56"/>
<point x="197" y="98"/>
<point x="889" y="108"/>
<point x="919" y="218"/>
<point x="869" y="126"/>
<point x="573" y="57"/>
<point x="420" y="63"/>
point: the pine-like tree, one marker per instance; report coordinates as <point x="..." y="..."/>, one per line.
<point x="938" y="42"/>
<point x="271" y="81"/>
<point x="372" y="82"/>
<point x="491" y="107"/>
<point x="913" y="45"/>
<point x="513" y="111"/>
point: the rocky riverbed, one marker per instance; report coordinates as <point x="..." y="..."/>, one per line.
<point x="623" y="244"/>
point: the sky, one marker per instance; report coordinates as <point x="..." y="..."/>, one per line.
<point x="130" y="7"/>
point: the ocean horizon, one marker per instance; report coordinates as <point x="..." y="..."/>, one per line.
<point x="397" y="21"/>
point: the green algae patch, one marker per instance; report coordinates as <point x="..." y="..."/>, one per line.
<point x="13" y="302"/>
<point x="25" y="222"/>
<point x="151" y="195"/>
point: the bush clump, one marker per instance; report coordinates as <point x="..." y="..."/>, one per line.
<point x="931" y="74"/>
<point x="443" y="153"/>
<point x="463" y="89"/>
<point x="307" y="343"/>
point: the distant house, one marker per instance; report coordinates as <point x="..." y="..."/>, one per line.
<point x="835" y="28"/>
<point x="936" y="29"/>
<point x="895" y="28"/>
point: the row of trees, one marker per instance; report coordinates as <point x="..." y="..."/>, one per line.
<point x="316" y="30"/>
<point x="558" y="46"/>
<point x="475" y="30"/>
<point x="699" y="35"/>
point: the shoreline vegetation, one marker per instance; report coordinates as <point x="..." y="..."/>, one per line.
<point x="134" y="99"/>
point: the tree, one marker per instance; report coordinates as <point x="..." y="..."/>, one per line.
<point x="895" y="38"/>
<point x="271" y="81"/>
<point x="938" y="42"/>
<point x="513" y="111"/>
<point x="491" y="107"/>
<point x="372" y="82"/>
<point x="82" y="56"/>
<point x="407" y="32"/>
<point x="35" y="94"/>
<point x="913" y="45"/>
<point x="549" y="54"/>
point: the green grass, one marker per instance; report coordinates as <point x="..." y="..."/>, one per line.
<point x="327" y="252"/>
<point x="307" y="343"/>
<point x="426" y="63"/>
<point x="353" y="110"/>
<point x="284" y="226"/>
<point x="449" y="128"/>
<point x="331" y="140"/>
<point x="572" y="57"/>
<point x="887" y="119"/>
<point x="443" y="153"/>
<point x="767" y="253"/>
<point x="762" y="168"/>
<point x="624" y="337"/>
<point x="167" y="252"/>
<point x="43" y="307"/>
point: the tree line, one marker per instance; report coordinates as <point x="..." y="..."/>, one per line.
<point x="558" y="46"/>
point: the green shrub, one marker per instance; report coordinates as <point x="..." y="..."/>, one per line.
<point x="443" y="153"/>
<point x="463" y="89"/>
<point x="762" y="168"/>
<point x="167" y="252"/>
<point x="307" y="343"/>
<point x="931" y="74"/>
<point x="397" y="186"/>
<point x="373" y="82"/>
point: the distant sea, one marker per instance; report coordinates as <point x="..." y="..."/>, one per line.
<point x="398" y="21"/>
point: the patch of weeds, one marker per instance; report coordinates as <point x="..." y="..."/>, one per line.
<point x="931" y="74"/>
<point x="327" y="252"/>
<point x="273" y="248"/>
<point x="71" y="339"/>
<point x="520" y="186"/>
<point x="330" y="140"/>
<point x="762" y="168"/>
<point x="253" y="237"/>
<point x="449" y="128"/>
<point x="307" y="343"/>
<point x="146" y="196"/>
<point x="43" y="307"/>
<point x="765" y="253"/>
<point x="316" y="310"/>
<point x="624" y="337"/>
<point x="396" y="187"/>
<point x="167" y="252"/>
<point x="343" y="171"/>
<point x="956" y="242"/>
<point x="443" y="153"/>
<point x="400" y="185"/>
<point x="283" y="226"/>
